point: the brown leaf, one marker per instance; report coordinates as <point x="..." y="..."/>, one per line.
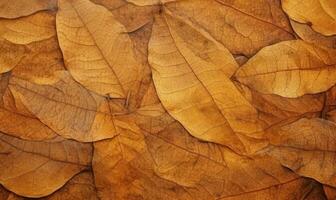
<point x="320" y="14"/>
<point x="330" y="192"/>
<point x="307" y="147"/>
<point x="170" y="164"/>
<point x="66" y="107"/>
<point x="189" y="78"/>
<point x="36" y="169"/>
<point x="11" y="56"/>
<point x="97" y="50"/>
<point x="242" y="26"/>
<point x="290" y="69"/>
<point x="307" y="34"/>
<point x="20" y="8"/>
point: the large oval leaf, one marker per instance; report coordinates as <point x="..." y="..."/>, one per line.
<point x="194" y="87"/>
<point x="290" y="69"/>
<point x="96" y="48"/>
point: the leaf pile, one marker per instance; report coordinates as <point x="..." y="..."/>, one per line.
<point x="168" y="99"/>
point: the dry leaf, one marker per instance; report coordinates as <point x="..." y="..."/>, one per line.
<point x="320" y="14"/>
<point x="242" y="26"/>
<point x="36" y="169"/>
<point x="189" y="84"/>
<point x="96" y="48"/>
<point x="67" y="108"/>
<point x="173" y="165"/>
<point x="20" y="8"/>
<point x="290" y="69"/>
<point x="307" y="34"/>
<point x="36" y="27"/>
<point x="167" y="99"/>
<point x="307" y="147"/>
<point x="11" y="56"/>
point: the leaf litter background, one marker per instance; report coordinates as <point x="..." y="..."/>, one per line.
<point x="168" y="99"/>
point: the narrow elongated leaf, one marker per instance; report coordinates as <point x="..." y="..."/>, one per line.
<point x="36" y="169"/>
<point x="290" y="69"/>
<point x="97" y="50"/>
<point x="67" y="108"/>
<point x="191" y="84"/>
<point x="319" y="13"/>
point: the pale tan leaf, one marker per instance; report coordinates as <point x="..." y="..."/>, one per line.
<point x="96" y="48"/>
<point x="20" y="8"/>
<point x="307" y="147"/>
<point x="67" y="108"/>
<point x="36" y="169"/>
<point x="28" y="29"/>
<point x="196" y="89"/>
<point x="290" y="69"/>
<point x="319" y="13"/>
<point x="242" y="26"/>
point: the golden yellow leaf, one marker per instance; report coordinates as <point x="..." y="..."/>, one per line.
<point x="96" y="48"/>
<point x="307" y="147"/>
<point x="320" y="14"/>
<point x="36" y="169"/>
<point x="28" y="29"/>
<point x="290" y="69"/>
<point x="67" y="108"/>
<point x="20" y="8"/>
<point x="194" y="86"/>
<point x="242" y="26"/>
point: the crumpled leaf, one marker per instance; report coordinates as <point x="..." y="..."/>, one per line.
<point x="320" y="14"/>
<point x="242" y="26"/>
<point x="36" y="27"/>
<point x="20" y="8"/>
<point x="189" y="82"/>
<point x="307" y="147"/>
<point x="290" y="69"/>
<point x="67" y="108"/>
<point x="96" y="48"/>
<point x="36" y="169"/>
<point x="307" y="34"/>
